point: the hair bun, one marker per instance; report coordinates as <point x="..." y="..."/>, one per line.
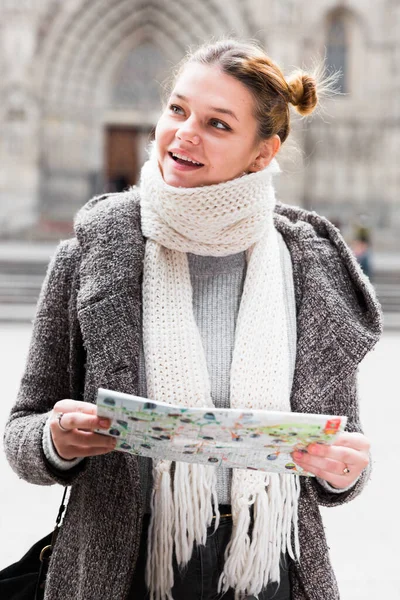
<point x="302" y="92"/>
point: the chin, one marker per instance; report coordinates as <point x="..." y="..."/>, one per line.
<point x="177" y="180"/>
<point x="174" y="181"/>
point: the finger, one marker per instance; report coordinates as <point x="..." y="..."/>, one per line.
<point x="337" y="481"/>
<point x="355" y="440"/>
<point x="76" y="420"/>
<point x="342" y="454"/>
<point x="94" y="451"/>
<point x="81" y="444"/>
<point x="325" y="467"/>
<point x="79" y="437"/>
<point x="67" y="405"/>
<point x="80" y="452"/>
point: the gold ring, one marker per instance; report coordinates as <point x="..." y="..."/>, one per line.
<point x="346" y="470"/>
<point x="59" y="417"/>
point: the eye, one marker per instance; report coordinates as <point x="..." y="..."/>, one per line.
<point x="176" y="109"/>
<point x="220" y="125"/>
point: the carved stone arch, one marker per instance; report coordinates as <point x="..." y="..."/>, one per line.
<point x="85" y="71"/>
<point x="250" y="26"/>
<point x="83" y="37"/>
<point x="147" y="34"/>
<point x="78" y="56"/>
<point x="54" y="26"/>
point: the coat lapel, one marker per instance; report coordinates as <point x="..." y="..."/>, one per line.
<point x="109" y="298"/>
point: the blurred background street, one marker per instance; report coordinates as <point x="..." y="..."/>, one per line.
<point x="81" y="91"/>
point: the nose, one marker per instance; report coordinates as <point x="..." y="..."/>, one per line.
<point x="188" y="132"/>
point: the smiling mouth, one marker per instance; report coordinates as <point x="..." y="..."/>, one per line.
<point x="183" y="160"/>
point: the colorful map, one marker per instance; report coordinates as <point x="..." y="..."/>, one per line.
<point x="226" y="437"/>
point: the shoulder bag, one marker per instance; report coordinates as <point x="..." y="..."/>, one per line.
<point x="26" y="579"/>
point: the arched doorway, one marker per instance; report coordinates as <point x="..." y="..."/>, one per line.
<point x="94" y="67"/>
<point x="135" y="102"/>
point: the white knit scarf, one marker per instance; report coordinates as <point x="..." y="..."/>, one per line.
<point x="215" y="220"/>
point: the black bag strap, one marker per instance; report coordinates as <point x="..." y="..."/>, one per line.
<point x="47" y="550"/>
<point x="61" y="510"/>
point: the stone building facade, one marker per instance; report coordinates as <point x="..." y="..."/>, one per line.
<point x="80" y="95"/>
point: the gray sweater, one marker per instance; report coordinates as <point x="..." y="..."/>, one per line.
<point x="87" y="334"/>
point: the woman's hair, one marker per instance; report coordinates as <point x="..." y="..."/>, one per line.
<point x="272" y="93"/>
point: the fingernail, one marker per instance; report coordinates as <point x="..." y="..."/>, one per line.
<point x="103" y="423"/>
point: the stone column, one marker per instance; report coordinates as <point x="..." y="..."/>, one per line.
<point x="19" y="118"/>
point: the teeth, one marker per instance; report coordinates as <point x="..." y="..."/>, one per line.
<point x="183" y="157"/>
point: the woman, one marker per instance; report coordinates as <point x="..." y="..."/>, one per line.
<point x="199" y="289"/>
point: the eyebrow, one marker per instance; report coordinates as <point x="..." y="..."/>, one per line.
<point x="222" y="111"/>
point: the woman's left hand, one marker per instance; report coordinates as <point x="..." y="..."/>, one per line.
<point x="341" y="463"/>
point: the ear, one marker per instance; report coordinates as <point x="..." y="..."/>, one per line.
<point x="267" y="150"/>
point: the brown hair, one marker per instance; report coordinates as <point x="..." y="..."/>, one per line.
<point x="249" y="64"/>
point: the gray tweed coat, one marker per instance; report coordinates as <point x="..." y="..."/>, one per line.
<point x="87" y="334"/>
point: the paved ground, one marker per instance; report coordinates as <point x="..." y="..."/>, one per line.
<point x="363" y="536"/>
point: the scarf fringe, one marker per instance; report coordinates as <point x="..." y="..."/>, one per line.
<point x="194" y="496"/>
<point x="159" y="567"/>
<point x="253" y="560"/>
<point x="290" y="494"/>
<point x="237" y="548"/>
<point x="191" y="501"/>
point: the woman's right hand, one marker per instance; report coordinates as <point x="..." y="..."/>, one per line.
<point x="73" y="434"/>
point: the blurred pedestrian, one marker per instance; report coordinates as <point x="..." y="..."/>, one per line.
<point x="198" y="288"/>
<point x="361" y="246"/>
<point x="119" y="183"/>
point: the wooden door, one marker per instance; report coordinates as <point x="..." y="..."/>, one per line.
<point x="121" y="157"/>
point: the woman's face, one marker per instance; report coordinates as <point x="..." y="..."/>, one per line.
<point x="208" y="133"/>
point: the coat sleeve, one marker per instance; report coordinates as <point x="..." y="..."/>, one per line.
<point x="46" y="378"/>
<point x="347" y="398"/>
<point x="353" y="328"/>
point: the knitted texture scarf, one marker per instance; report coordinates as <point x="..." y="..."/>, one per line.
<point x="215" y="220"/>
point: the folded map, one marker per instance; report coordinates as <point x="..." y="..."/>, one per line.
<point x="222" y="437"/>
